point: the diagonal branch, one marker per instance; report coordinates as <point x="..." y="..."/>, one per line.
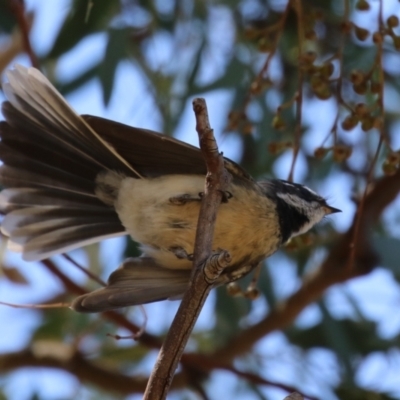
<point x="217" y="180"/>
<point x="201" y="365"/>
<point x="17" y="7"/>
<point x="66" y="358"/>
<point x="119" y="319"/>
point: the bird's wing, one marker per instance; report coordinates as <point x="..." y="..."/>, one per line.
<point x="154" y="154"/>
<point x="137" y="281"/>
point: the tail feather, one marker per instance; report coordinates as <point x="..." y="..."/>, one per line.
<point x="42" y="178"/>
<point x="11" y="199"/>
<point x="23" y="137"/>
<point x="66" y="239"/>
<point x="46" y="230"/>
<point x="45" y="108"/>
<point x="51" y="158"/>
<point x="53" y="216"/>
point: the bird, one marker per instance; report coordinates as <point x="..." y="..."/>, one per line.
<point x="70" y="180"/>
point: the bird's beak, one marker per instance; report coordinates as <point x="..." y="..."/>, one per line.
<point x="331" y="210"/>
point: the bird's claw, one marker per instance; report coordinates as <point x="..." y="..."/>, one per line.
<point x="181" y="253"/>
<point x="183" y="199"/>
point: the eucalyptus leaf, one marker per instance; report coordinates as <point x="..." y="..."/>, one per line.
<point x="388" y="249"/>
<point x="115" y="52"/>
<point x="85" y="17"/>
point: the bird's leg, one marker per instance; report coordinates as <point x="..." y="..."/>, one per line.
<point x="225" y="196"/>
<point x="181" y="253"/>
<point x="251" y="292"/>
<point x="185" y="198"/>
<point x="182" y="199"/>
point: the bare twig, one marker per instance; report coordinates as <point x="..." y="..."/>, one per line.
<point x="35" y="306"/>
<point x="90" y="274"/>
<point x="18" y="9"/>
<point x="70" y="285"/>
<point x="217" y="180"/>
<point x="296" y="4"/>
<point x="274" y="48"/>
<point x="382" y="135"/>
<point x="206" y="364"/>
<point x="294" y="396"/>
<point x="145" y="338"/>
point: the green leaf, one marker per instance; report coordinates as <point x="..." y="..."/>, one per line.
<point x="79" y="81"/>
<point x="7" y="17"/>
<point x="57" y="323"/>
<point x="85" y="17"/>
<point x="115" y="52"/>
<point x="112" y="354"/>
<point x="389" y="253"/>
<point x="53" y="326"/>
<point x="266" y="287"/>
<point x="346" y="392"/>
<point x="131" y="248"/>
<point x="229" y="311"/>
<point x="232" y="78"/>
<point x="345" y="336"/>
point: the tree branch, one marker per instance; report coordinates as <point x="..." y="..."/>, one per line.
<point x="65" y="358"/>
<point x="145" y="338"/>
<point x="217" y="180"/>
<point x="18" y="9"/>
<point x="294" y="396"/>
<point x="203" y="364"/>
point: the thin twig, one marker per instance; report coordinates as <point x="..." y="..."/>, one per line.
<point x="18" y="9"/>
<point x="258" y="380"/>
<point x="340" y="58"/>
<point x="279" y="26"/>
<point x="90" y="274"/>
<point x="206" y="364"/>
<point x="217" y="181"/>
<point x="117" y="318"/>
<point x="360" y="210"/>
<point x="294" y="396"/>
<point x="35" y="306"/>
<point x="299" y="95"/>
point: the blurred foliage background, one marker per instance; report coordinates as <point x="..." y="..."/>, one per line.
<point x="299" y="89"/>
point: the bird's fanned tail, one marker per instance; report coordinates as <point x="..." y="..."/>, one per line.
<point x="51" y="158"/>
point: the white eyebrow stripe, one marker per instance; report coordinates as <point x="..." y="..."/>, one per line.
<point x="311" y="191"/>
<point x="298" y="186"/>
<point x="293" y="199"/>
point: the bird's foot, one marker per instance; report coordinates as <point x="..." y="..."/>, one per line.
<point x="181" y="253"/>
<point x="226" y="196"/>
<point x="183" y="199"/>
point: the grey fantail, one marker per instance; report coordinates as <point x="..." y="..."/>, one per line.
<point x="70" y="180"/>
